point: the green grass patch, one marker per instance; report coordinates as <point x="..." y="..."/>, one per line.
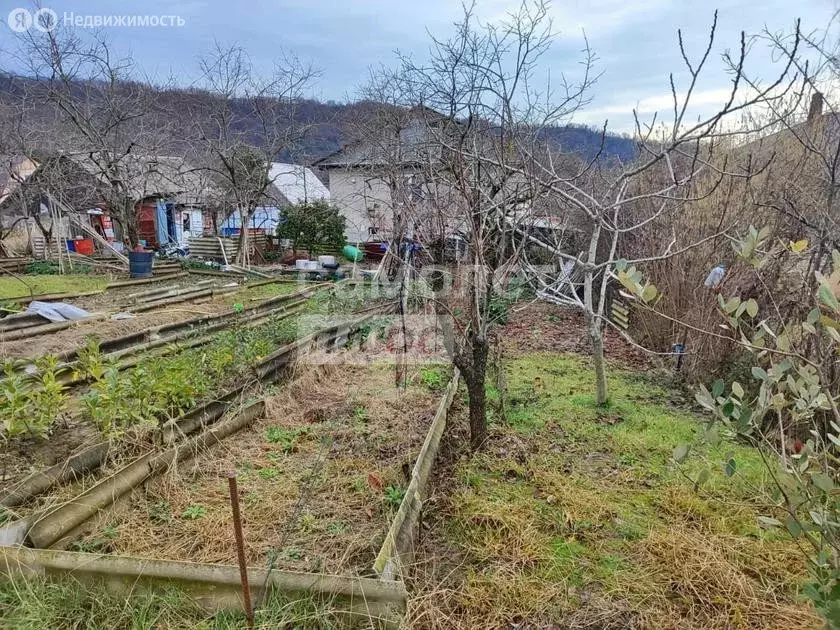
<point x="35" y="604"/>
<point x="252" y="294"/>
<point x="23" y="286"/>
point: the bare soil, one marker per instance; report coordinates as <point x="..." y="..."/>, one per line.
<point x="104" y="330"/>
<point x="125" y="297"/>
<point x="537" y="327"/>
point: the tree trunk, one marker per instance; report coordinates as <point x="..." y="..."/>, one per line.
<point x="242" y="250"/>
<point x="478" y="397"/>
<point x="131" y="236"/>
<point x="596" y="338"/>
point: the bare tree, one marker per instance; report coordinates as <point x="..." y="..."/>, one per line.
<point x="483" y="120"/>
<point x="248" y="123"/>
<point x="106" y="120"/>
<point x="679" y="163"/>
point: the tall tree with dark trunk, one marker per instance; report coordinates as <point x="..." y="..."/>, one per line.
<point x="483" y="115"/>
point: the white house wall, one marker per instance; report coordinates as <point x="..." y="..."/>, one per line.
<point x="365" y="201"/>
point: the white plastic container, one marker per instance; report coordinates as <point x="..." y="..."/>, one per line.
<point x="311" y="265"/>
<point x="300" y="263"/>
<point x="326" y="260"/>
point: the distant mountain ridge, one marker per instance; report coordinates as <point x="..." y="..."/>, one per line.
<point x="329" y="122"/>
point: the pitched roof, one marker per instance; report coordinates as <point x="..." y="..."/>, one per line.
<point x="13" y="170"/>
<point x="147" y="176"/>
<point x="403" y="141"/>
<point x="296" y="183"/>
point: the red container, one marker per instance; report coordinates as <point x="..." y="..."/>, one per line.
<point x="84" y="246"/>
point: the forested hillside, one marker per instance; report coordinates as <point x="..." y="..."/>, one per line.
<point x="328" y="125"/>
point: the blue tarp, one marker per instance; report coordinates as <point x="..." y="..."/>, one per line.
<point x="161" y="224"/>
<point x="264" y="218"/>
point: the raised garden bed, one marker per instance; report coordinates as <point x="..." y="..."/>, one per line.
<point x="160" y="385"/>
<point x="321" y="475"/>
<point x="344" y="510"/>
<point x="106" y="329"/>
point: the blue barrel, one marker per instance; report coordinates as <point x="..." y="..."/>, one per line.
<point x="140" y="264"/>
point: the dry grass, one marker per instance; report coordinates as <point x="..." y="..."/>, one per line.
<point x="698" y="580"/>
<point x="565" y="521"/>
<point x="313" y="478"/>
<point x="20" y="463"/>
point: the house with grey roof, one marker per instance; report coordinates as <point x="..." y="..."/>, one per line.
<point x="384" y="174"/>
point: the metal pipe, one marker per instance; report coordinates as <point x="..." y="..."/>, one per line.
<point x="240" y="549"/>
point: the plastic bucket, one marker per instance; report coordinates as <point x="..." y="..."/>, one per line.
<point x="84" y="246"/>
<point x="140" y="264"/>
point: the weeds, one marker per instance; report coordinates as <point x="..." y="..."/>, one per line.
<point x="286" y="438"/>
<point x="194" y="512"/>
<point x="561" y="503"/>
<point x="160" y="513"/>
<point x="268" y="473"/>
<point x="394" y="496"/>
<point x="433" y="377"/>
<point x="38" y="603"/>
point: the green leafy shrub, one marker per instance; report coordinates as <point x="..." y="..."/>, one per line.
<point x="14" y="404"/>
<point x="315" y="226"/>
<point x="30" y="406"/>
<point x="788" y="405"/>
<point x="48" y="397"/>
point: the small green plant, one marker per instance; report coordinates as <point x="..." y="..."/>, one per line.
<point x="286" y="438"/>
<point x="31" y="405"/>
<point x="432" y="377"/>
<point x="110" y="531"/>
<point x="41" y="268"/>
<point x="361" y="413"/>
<point x="394" y="496"/>
<point x="160" y="513"/>
<point x="91" y="545"/>
<point x="286" y="553"/>
<point x="308" y="522"/>
<point x="14" y="402"/>
<point x="268" y="473"/>
<point x="48" y="397"/>
<point x="337" y="527"/>
<point x="194" y="512"/>
<point x="90" y="363"/>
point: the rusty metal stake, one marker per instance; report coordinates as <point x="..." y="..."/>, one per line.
<point x="240" y="549"/>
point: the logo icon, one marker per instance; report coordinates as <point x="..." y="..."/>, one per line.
<point x="45" y="20"/>
<point x="20" y="19"/>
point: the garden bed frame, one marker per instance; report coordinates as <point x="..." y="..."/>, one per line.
<point x="216" y="587"/>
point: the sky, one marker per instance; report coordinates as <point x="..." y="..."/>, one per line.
<point x="635" y="41"/>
